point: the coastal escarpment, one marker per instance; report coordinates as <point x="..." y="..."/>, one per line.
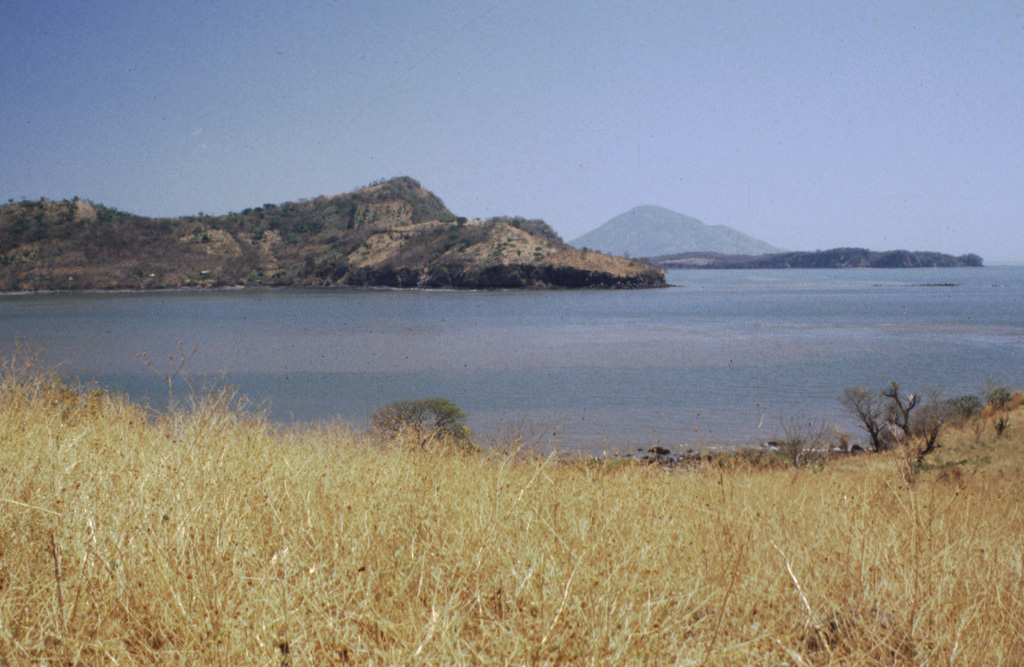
<point x="390" y="234"/>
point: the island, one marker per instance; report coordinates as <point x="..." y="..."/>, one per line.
<point x="837" y="258"/>
<point x="391" y="233"/>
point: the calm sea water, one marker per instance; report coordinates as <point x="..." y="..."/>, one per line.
<point x="722" y="357"/>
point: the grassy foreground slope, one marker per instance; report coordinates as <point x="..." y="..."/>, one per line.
<point x="206" y="537"/>
<point x="393" y="233"/>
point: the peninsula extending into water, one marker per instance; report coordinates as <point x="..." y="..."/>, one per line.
<point x="837" y="258"/>
<point x="393" y="233"/>
<point x="672" y="240"/>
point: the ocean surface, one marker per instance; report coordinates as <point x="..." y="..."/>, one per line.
<point x="722" y="357"/>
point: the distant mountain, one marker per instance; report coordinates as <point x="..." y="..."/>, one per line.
<point x="392" y="233"/>
<point x="646" y="231"/>
<point x="837" y="258"/>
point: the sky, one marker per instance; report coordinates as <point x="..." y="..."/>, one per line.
<point x="809" y="125"/>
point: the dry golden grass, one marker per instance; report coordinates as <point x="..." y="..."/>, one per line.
<point x="210" y="538"/>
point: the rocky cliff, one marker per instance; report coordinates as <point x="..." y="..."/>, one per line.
<point x="393" y="233"/>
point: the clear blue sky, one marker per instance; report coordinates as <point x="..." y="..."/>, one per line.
<point x="807" y="124"/>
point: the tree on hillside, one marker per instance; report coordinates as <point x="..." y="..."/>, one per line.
<point x="897" y="413"/>
<point x="869" y="407"/>
<point x="892" y="417"/>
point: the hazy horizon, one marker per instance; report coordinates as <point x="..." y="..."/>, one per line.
<point x="806" y="125"/>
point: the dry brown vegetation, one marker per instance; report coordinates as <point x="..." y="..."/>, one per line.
<point x="209" y="537"/>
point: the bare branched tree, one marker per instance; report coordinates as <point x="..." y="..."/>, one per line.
<point x="924" y="430"/>
<point x="899" y="409"/>
<point x="803" y="436"/>
<point x="892" y="417"/>
<point x="869" y="407"/>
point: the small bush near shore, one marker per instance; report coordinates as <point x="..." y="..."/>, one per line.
<point x="425" y="422"/>
<point x="209" y="537"/>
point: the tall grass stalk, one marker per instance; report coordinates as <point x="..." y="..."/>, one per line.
<point x="210" y="537"/>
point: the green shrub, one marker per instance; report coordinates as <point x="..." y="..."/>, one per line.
<point x="427" y="418"/>
<point x="962" y="408"/>
<point x="997" y="396"/>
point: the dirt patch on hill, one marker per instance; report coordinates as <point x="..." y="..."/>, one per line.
<point x="213" y="242"/>
<point x="83" y="210"/>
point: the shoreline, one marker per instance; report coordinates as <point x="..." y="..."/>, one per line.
<point x="300" y="288"/>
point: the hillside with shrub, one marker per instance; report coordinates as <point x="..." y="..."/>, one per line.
<point x="393" y="233"/>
